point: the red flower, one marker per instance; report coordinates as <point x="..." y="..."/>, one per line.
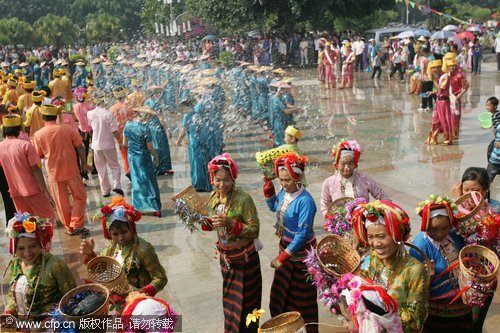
<point x="372" y="217"/>
<point x="106" y="210"/>
<point x="18" y="226"/>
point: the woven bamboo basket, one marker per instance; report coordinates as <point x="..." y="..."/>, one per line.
<point x="336" y="256"/>
<point x="102" y="311"/>
<point x="426" y="258"/>
<point x="479" y="267"/>
<point x="479" y="210"/>
<point x="193" y="200"/>
<point x="288" y="322"/>
<point x="340" y="202"/>
<point x="108" y="272"/>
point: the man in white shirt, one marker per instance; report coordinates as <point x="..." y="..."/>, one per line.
<point x="497" y="50"/>
<point x="104" y="133"/>
<point x="358" y="47"/>
<point x="304" y="44"/>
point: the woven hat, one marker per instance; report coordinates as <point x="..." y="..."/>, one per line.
<point x="23" y="64"/>
<point x="119" y="92"/>
<point x="97" y="61"/>
<point x="29" y="85"/>
<point x="12" y="120"/>
<point x="50" y="110"/>
<point x="80" y="63"/>
<point x="279" y="71"/>
<point x="12" y="83"/>
<point x="56" y="73"/>
<point x="422" y="39"/>
<point x="37" y="96"/>
<point x="292" y="131"/>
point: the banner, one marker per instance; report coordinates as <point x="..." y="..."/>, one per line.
<point x="429" y="10"/>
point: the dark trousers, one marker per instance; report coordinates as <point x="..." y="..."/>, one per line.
<point x="10" y="208"/>
<point x="476" y="64"/>
<point x="426" y="99"/>
<point x="376" y="69"/>
<point x="398" y="67"/>
<point x="498" y="61"/>
<point x="359" y="62"/>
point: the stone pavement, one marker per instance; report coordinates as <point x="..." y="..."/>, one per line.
<point x="379" y="114"/>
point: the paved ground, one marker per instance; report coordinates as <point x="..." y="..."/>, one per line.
<point x="379" y="114"/>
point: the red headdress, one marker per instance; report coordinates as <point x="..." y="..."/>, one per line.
<point x="351" y="145"/>
<point x="141" y="305"/>
<point x="119" y="210"/>
<point x="224" y="162"/>
<point x="293" y="163"/>
<point x="395" y="219"/>
<point x="25" y="225"/>
<point x="436" y="206"/>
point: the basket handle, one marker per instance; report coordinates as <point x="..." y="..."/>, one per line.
<point x="451" y="267"/>
<point x="460" y="293"/>
<point x="426" y="258"/>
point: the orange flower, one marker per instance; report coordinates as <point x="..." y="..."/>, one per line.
<point x="29" y="226"/>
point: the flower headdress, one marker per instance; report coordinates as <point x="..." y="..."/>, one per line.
<point x="436" y="205"/>
<point x="119" y="210"/>
<point x="348" y="145"/>
<point x="25" y="225"/>
<point x="395" y="219"/>
<point x="80" y="93"/>
<point x="224" y="162"/>
<point x="293" y="163"/>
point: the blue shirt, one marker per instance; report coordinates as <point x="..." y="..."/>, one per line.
<point x="495" y="154"/>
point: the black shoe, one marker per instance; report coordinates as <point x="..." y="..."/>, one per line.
<point x="119" y="191"/>
<point x="106" y="195"/>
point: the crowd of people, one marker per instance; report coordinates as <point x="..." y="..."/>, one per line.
<point x="54" y="115"/>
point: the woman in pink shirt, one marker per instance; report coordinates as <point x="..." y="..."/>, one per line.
<point x="80" y="110"/>
<point x="347" y="181"/>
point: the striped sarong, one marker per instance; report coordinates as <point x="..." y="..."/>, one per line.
<point x="242" y="288"/>
<point x="290" y="290"/>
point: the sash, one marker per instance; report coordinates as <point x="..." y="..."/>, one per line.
<point x="328" y="57"/>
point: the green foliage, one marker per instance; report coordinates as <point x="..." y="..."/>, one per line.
<point x="378" y="19"/>
<point x="227" y="59"/>
<point x="31" y="59"/>
<point x="76" y="57"/>
<point x="13" y="32"/>
<point x="103" y="28"/>
<point x="55" y="30"/>
<point x="481" y="14"/>
<point x="113" y="52"/>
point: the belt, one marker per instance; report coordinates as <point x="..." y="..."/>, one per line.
<point x="443" y="98"/>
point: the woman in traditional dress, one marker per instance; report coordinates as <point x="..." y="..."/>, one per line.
<point x="138" y="140"/>
<point x="234" y="217"/>
<point x="281" y="115"/>
<point x="193" y="124"/>
<point x="159" y="137"/>
<point x="439" y="241"/>
<point x="347" y="181"/>
<point x="330" y="60"/>
<point x="384" y="226"/>
<point x="441" y="118"/>
<point x="37" y="279"/>
<point x="295" y="210"/>
<point x="137" y="257"/>
<point x="348" y="67"/>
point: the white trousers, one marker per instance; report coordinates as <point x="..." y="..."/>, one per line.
<point x="102" y="160"/>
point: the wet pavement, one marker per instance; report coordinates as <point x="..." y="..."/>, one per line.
<point x="379" y="114"/>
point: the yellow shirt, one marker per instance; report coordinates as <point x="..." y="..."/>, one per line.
<point x="24" y="102"/>
<point x="34" y="119"/>
<point x="58" y="88"/>
<point x="10" y="97"/>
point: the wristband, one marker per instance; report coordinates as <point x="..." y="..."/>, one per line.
<point x="283" y="257"/>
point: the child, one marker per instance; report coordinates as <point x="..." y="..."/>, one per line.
<point x="376" y="66"/>
<point x="492" y="107"/>
<point x="137" y="256"/>
<point x="494" y="159"/>
<point x="397" y="62"/>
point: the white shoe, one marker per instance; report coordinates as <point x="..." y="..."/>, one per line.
<point x="420" y="110"/>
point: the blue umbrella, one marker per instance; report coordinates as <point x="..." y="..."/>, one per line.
<point x="422" y="32"/>
<point x="443" y="34"/>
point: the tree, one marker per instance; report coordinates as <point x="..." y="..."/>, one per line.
<point x="56" y="30"/>
<point x="103" y="28"/>
<point x="14" y="31"/>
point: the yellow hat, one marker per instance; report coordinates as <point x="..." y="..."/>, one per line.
<point x="292" y="131"/>
<point x="37" y="96"/>
<point x="56" y="72"/>
<point x="12" y="120"/>
<point x="119" y="92"/>
<point x="12" y="83"/>
<point x="435" y="63"/>
<point x="18" y="71"/>
<point x="29" y="85"/>
<point x="328" y="44"/>
<point x="348" y="44"/>
<point x="449" y="55"/>
<point x="5" y="78"/>
<point x="452" y="62"/>
<point x="50" y="110"/>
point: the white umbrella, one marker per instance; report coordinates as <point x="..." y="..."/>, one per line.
<point x="443" y="34"/>
<point x="406" y="34"/>
<point x="456" y="40"/>
<point x="422" y="32"/>
<point x="451" y="27"/>
<point x="474" y="28"/>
